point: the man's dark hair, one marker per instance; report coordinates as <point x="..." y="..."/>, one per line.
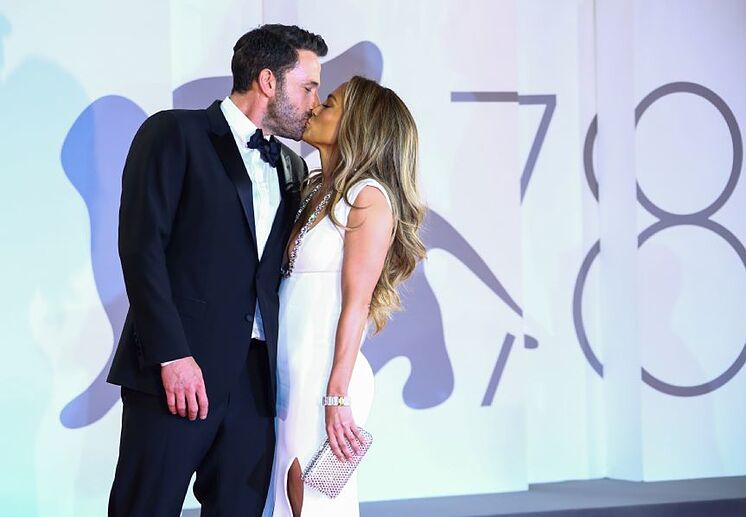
<point x="272" y="46"/>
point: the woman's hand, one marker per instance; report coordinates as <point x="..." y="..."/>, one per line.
<point x="341" y="428"/>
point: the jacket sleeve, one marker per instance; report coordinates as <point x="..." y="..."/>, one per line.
<point x="151" y="187"/>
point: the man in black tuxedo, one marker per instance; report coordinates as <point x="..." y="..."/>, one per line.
<point x="208" y="202"/>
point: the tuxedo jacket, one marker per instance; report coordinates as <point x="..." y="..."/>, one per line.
<point x="187" y="245"/>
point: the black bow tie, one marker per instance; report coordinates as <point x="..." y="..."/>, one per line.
<point x="269" y="150"/>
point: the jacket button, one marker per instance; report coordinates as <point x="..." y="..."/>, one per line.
<point x="249" y="317"/>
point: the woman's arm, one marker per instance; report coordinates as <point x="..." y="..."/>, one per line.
<point x="365" y="247"/>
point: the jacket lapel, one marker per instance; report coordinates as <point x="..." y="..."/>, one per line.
<point x="225" y="146"/>
<point x="282" y="221"/>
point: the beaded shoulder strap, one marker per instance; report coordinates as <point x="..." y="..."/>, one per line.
<point x="288" y="269"/>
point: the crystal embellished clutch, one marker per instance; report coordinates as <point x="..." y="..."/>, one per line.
<point x="327" y="474"/>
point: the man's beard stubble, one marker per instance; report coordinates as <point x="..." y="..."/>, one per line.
<point x="282" y="119"/>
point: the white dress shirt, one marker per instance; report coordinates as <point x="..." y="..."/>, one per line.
<point x="264" y="186"/>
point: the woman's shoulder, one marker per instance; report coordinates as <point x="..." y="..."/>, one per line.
<point x="359" y="186"/>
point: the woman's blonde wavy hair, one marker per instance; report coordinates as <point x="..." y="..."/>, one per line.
<point x="377" y="139"/>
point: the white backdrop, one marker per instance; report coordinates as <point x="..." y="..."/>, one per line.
<point x="520" y="358"/>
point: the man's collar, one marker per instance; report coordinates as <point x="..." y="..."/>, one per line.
<point x="239" y="123"/>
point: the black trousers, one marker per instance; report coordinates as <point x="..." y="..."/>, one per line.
<point x="231" y="451"/>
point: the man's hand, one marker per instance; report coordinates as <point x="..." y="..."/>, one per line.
<point x="185" y="388"/>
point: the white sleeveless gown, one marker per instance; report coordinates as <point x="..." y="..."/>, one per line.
<point x="310" y="302"/>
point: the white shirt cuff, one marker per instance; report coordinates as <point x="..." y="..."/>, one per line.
<point x="171" y="361"/>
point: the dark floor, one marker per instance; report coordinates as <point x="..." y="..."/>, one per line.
<point x="714" y="497"/>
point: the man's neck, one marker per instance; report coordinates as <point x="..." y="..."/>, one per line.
<point x="253" y="106"/>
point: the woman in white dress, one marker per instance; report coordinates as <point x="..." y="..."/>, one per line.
<point x="355" y="240"/>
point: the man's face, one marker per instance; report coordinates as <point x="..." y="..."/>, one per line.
<point x="296" y="95"/>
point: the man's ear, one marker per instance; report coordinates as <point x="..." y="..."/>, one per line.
<point x="267" y="82"/>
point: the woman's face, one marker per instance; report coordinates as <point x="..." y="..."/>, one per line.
<point x="322" y="127"/>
